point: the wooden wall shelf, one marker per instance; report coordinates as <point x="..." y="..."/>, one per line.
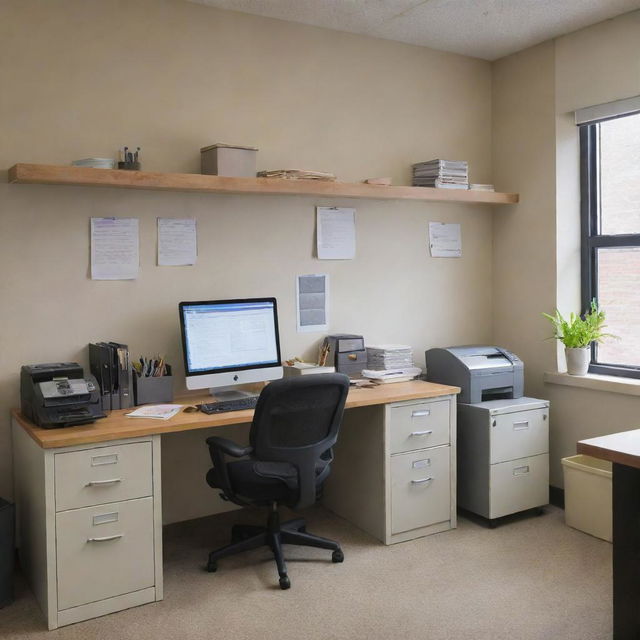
<point x="88" y="177"/>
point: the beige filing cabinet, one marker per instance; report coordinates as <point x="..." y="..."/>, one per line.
<point x="89" y="525"/>
<point x="414" y="442"/>
<point x="503" y="456"/>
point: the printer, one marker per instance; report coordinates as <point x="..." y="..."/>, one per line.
<point x="481" y="372"/>
<point x="58" y="395"/>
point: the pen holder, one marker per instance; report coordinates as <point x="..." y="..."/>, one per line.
<point x="152" y="390"/>
<point x="129" y="166"/>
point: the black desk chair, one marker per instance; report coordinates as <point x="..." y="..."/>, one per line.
<point x="296" y="423"/>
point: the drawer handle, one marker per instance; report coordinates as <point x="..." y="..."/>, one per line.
<point x="422" y="481"/>
<point x="420" y="414"/>
<point x="97" y="461"/>
<point x="106" y="538"/>
<point x="523" y="424"/>
<point x="102" y="483"/>
<point x="520" y="471"/>
<point x="421" y="433"/>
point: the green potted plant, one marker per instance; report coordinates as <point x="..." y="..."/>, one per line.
<point x="577" y="333"/>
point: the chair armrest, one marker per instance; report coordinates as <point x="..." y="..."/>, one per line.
<point x="229" y="447"/>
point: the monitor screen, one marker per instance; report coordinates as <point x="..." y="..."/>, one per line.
<point x="229" y="335"/>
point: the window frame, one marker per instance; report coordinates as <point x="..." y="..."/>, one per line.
<point x="592" y="240"/>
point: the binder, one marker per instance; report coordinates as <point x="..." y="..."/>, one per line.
<point x="100" y="365"/>
<point x="122" y="384"/>
<point x="110" y="364"/>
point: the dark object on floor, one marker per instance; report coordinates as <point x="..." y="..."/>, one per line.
<point x="296" y="422"/>
<point x="7" y="552"/>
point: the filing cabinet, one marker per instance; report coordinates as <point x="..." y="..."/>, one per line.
<point x="94" y="541"/>
<point x="415" y="443"/>
<point x="503" y="456"/>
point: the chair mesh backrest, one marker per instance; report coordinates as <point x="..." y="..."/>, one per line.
<point x="296" y="420"/>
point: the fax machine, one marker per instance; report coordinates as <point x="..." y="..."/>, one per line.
<point x="481" y="372"/>
<point x="58" y="395"/>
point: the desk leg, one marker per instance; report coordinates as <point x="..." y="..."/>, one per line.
<point x="626" y="552"/>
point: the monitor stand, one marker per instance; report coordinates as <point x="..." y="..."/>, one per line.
<point x="224" y="394"/>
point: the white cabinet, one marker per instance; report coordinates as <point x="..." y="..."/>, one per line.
<point x="503" y="456"/>
<point x="415" y="443"/>
<point x="89" y="525"/>
<point x="104" y="551"/>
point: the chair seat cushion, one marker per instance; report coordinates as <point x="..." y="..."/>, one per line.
<point x="266" y="481"/>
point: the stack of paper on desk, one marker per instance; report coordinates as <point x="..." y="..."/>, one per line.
<point x="389" y="356"/>
<point x="391" y="375"/>
<point x="156" y="411"/>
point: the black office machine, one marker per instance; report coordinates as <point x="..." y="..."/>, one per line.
<point x="346" y="353"/>
<point x="58" y="395"/>
<point x="481" y="372"/>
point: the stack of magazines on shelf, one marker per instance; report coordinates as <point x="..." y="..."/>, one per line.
<point x="442" y="174"/>
<point x="297" y="174"/>
<point x="390" y="363"/>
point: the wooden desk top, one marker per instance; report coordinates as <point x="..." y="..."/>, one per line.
<point x="117" y="425"/>
<point x="621" y="448"/>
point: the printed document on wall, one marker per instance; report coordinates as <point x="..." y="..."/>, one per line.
<point x="445" y="240"/>
<point x="114" y="249"/>
<point x="336" y="233"/>
<point x="177" y="242"/>
<point x="312" y="295"/>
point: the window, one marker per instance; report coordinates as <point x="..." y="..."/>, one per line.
<point x="610" y="165"/>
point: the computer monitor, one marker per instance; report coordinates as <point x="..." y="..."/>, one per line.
<point x="230" y="342"/>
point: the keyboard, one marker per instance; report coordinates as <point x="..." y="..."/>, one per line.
<point x="229" y="405"/>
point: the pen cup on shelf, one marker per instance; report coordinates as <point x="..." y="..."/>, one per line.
<point x="129" y="166"/>
<point x="153" y="389"/>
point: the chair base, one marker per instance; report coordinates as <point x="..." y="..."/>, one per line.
<point x="274" y="535"/>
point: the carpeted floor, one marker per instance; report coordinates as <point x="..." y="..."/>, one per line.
<point x="532" y="578"/>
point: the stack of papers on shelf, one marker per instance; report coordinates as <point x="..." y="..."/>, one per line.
<point x="482" y="187"/>
<point x="156" y="411"/>
<point x="391" y="375"/>
<point x="297" y="174"/>
<point x="385" y="357"/>
<point x="96" y="163"/>
<point x="443" y="174"/>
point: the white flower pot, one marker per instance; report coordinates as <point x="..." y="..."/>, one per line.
<point x="578" y="360"/>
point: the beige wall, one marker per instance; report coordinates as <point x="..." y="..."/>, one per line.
<point x="592" y="66"/>
<point x="80" y="78"/>
<point x="523" y="158"/>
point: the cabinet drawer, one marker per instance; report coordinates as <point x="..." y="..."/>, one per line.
<point x="103" y="474"/>
<point x="420" y="489"/>
<point x="518" y="485"/>
<point x="417" y="426"/>
<point x="104" y="551"/>
<point x="519" y="435"/>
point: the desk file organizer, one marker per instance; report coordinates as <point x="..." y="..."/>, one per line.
<point x="153" y="389"/>
<point x="111" y="365"/>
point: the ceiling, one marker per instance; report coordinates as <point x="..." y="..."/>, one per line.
<point x="487" y="29"/>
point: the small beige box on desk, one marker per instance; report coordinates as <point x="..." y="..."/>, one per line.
<point x="228" y="160"/>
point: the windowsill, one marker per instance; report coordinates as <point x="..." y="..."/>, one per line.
<point x="612" y="384"/>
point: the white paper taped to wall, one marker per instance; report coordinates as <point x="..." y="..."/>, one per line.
<point x="336" y="233"/>
<point x="312" y="296"/>
<point x="445" y="240"/>
<point x="177" y="242"/>
<point x="114" y="249"/>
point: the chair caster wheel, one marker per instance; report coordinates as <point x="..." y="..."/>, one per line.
<point x="212" y="566"/>
<point x="337" y="556"/>
<point x="285" y="583"/>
